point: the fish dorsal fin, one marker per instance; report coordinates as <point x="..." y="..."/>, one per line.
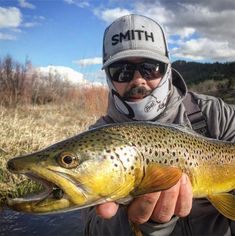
<point x="157" y="178"/>
<point x="224" y="203"/>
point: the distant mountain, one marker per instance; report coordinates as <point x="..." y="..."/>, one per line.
<point x="195" y="72"/>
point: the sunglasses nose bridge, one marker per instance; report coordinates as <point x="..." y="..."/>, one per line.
<point x="137" y="76"/>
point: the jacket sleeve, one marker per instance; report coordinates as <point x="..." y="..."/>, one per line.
<point x="97" y="226"/>
<point x="119" y="225"/>
<point x="221" y="123"/>
<point x="220" y="117"/>
<point x="103" y="120"/>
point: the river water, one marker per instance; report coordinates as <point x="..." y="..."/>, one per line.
<point x="20" y="224"/>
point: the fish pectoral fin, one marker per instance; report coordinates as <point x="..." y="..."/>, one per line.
<point x="135" y="229"/>
<point x="124" y="201"/>
<point x="157" y="178"/>
<point x="224" y="203"/>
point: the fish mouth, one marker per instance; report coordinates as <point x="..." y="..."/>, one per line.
<point x="53" y="197"/>
<point x="47" y="190"/>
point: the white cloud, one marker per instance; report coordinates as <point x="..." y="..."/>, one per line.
<point x="110" y="15"/>
<point x="30" y="24"/>
<point x="24" y="4"/>
<point x="10" y="17"/>
<point x="203" y="48"/>
<point x="78" y="3"/>
<point x="97" y="76"/>
<point x="155" y="11"/>
<point x="69" y="1"/>
<point x="72" y="76"/>
<point x="89" y="61"/>
<point x="65" y="73"/>
<point x="186" y="32"/>
<point x="7" y="36"/>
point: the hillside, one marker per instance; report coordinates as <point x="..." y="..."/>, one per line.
<point x="194" y="72"/>
<point x="217" y="79"/>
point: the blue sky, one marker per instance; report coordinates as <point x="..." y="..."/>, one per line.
<point x="69" y="33"/>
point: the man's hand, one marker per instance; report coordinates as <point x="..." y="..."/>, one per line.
<point x="159" y="206"/>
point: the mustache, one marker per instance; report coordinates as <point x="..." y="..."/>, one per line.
<point x="140" y="90"/>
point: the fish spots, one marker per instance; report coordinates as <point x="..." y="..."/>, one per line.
<point x="128" y="146"/>
<point x="139" y="144"/>
<point x="123" y="157"/>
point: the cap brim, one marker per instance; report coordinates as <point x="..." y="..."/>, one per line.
<point x="136" y="53"/>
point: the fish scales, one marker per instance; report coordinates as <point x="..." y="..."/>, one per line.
<point x="121" y="161"/>
<point x="194" y="154"/>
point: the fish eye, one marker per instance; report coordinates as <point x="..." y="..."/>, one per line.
<point x="67" y="160"/>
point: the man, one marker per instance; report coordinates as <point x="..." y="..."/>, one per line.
<point x="143" y="86"/>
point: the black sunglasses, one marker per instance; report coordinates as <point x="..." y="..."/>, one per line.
<point x="123" y="71"/>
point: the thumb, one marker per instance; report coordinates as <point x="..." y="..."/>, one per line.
<point x="107" y="210"/>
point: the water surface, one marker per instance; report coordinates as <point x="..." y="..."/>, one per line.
<point x="20" y="224"/>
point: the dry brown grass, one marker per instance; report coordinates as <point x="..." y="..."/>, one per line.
<point x="38" y="110"/>
<point x="29" y="128"/>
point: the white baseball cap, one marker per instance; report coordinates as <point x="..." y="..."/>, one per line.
<point x="134" y="36"/>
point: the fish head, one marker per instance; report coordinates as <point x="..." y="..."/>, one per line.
<point x="75" y="173"/>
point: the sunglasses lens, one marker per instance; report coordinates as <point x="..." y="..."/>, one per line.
<point x="121" y="72"/>
<point x="151" y="70"/>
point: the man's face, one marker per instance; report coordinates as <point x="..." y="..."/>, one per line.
<point x="139" y="86"/>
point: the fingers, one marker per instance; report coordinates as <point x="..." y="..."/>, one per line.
<point x="142" y="207"/>
<point x="184" y="201"/>
<point x="159" y="206"/>
<point x="175" y="201"/>
<point x="165" y="206"/>
<point x="107" y="210"/>
<point x="162" y="206"/>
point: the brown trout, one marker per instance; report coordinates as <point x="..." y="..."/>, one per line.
<point x="122" y="161"/>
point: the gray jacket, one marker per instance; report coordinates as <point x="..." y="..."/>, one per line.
<point x="204" y="219"/>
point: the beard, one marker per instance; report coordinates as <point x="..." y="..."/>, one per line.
<point x="139" y="91"/>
